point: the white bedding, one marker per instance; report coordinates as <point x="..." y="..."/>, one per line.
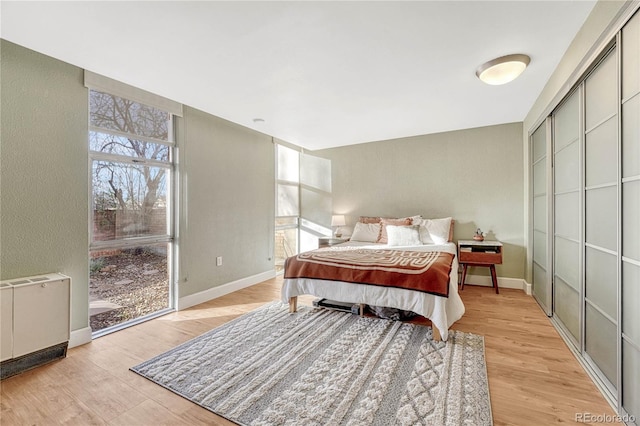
<point x="442" y="311"/>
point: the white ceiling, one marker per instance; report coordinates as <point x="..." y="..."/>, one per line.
<point x="321" y="74"/>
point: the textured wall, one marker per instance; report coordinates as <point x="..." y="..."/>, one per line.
<point x="227" y="201"/>
<point x="44" y="172"/>
<point x="473" y="175"/>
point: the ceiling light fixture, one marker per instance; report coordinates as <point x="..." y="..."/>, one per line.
<point x="502" y="70"/>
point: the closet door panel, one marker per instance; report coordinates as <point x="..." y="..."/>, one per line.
<point x="540" y="284"/>
<point x="540" y="210"/>
<point x="601" y="166"/>
<point x="602" y="218"/>
<point x="567" y="215"/>
<point x="540" y="213"/>
<point x="567" y="261"/>
<point x="567" y="168"/>
<point x="539" y="144"/>
<point x="600" y="342"/>
<point x="567" y="123"/>
<point x="567" y="307"/>
<point x="601" y="94"/>
<point x="601" y="214"/>
<point x="601" y="272"/>
<point x="539" y="178"/>
<point x="540" y="248"/>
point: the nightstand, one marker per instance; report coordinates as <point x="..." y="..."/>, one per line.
<point x="330" y="241"/>
<point x="480" y="253"/>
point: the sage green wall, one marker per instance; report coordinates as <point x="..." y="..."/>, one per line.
<point x="473" y="175"/>
<point x="228" y="197"/>
<point x="604" y="14"/>
<point x="226" y="188"/>
<point x="44" y="172"/>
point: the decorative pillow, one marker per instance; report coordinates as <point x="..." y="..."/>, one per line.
<point x="403" y="235"/>
<point x="397" y="222"/>
<point x="369" y="219"/>
<point x="366" y="232"/>
<point x="435" y="231"/>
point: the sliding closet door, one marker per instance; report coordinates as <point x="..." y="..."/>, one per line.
<point x="539" y="190"/>
<point x="601" y="219"/>
<point x="631" y="217"/>
<point x="595" y="222"/>
<point x="567" y="281"/>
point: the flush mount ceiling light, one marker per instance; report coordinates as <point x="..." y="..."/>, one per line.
<point x="502" y="70"/>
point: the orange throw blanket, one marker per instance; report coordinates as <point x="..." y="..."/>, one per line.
<point x="425" y="271"/>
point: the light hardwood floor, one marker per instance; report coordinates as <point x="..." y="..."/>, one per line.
<point x="533" y="377"/>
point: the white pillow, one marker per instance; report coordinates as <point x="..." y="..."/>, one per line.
<point x="366" y="232"/>
<point x="346" y="231"/>
<point x="435" y="231"/>
<point x="403" y="235"/>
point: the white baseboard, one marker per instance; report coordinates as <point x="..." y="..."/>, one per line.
<point x="215" y="292"/>
<point x="528" y="288"/>
<point x="485" y="280"/>
<point x="83" y="335"/>
<point x="80" y="337"/>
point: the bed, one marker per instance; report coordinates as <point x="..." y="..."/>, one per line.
<point x="442" y="308"/>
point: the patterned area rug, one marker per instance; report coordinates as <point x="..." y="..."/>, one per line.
<point x="324" y="367"/>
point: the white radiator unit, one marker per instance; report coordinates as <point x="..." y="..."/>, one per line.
<point x="34" y="321"/>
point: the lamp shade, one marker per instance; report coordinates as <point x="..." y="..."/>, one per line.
<point x="502" y="70"/>
<point x="338" y="220"/>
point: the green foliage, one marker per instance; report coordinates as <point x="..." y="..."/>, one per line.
<point x="96" y="265"/>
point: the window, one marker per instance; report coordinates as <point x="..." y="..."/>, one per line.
<point x="131" y="155"/>
<point x="303" y="202"/>
<point x="287" y="204"/>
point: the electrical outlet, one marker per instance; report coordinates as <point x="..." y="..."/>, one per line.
<point x="219" y="261"/>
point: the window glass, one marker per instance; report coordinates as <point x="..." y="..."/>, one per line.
<point x="123" y="115"/>
<point x="128" y="200"/>
<point x="121" y="145"/>
<point x="288" y="164"/>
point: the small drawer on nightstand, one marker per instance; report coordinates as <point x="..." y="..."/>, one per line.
<point x="481" y="252"/>
<point x="480" y="257"/>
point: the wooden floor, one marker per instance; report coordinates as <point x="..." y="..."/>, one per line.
<point x="533" y="377"/>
